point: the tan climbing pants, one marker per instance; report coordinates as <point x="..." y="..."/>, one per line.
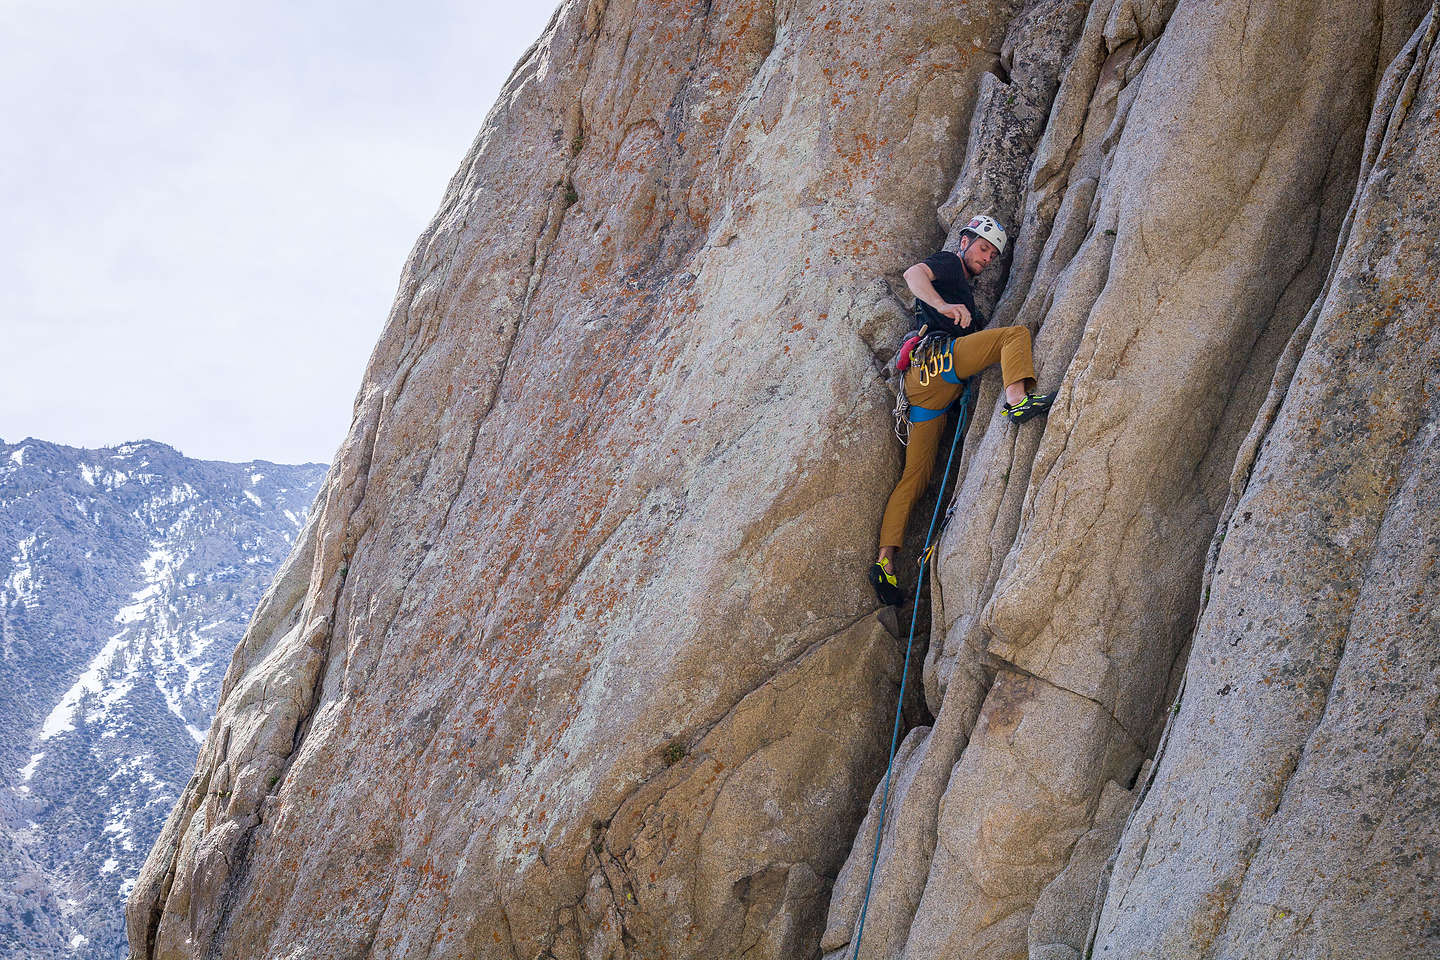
<point x="1007" y="346"/>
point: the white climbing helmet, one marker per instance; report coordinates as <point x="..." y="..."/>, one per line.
<point x="986" y="227"/>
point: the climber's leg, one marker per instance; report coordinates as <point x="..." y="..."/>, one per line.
<point x="1007" y="346"/>
<point x="928" y="386"/>
<point x="1010" y="347"/>
<point x="931" y="387"/>
<point x="1015" y="392"/>
<point x="919" y="465"/>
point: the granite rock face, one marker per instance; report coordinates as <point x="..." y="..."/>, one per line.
<point x="1315" y="664"/>
<point x="576" y="659"/>
<point x="599" y="494"/>
<point x="1071" y="582"/>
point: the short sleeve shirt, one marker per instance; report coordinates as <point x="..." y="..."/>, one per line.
<point x="953" y="285"/>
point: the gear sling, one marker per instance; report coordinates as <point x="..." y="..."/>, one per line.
<point x="934" y="381"/>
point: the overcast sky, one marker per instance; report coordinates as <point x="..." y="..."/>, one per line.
<point x="206" y="207"/>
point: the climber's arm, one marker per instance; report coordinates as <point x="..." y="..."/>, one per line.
<point x="921" y="281"/>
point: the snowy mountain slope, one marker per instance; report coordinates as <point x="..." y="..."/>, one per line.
<point x="127" y="576"/>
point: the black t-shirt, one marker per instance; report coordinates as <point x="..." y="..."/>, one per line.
<point x="953" y="286"/>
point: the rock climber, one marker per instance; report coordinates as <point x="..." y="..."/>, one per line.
<point x="945" y="305"/>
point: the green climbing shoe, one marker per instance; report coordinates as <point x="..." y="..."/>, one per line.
<point x="1033" y="405"/>
<point x="887" y="588"/>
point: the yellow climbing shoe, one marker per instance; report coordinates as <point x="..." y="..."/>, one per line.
<point x="1033" y="405"/>
<point x="887" y="588"/>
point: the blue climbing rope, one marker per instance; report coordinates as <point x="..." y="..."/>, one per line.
<point x="960" y="425"/>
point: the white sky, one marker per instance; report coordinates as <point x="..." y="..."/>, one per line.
<point x="206" y="207"/>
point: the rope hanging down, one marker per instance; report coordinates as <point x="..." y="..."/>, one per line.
<point x="961" y="422"/>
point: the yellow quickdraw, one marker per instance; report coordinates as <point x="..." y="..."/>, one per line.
<point x="935" y="361"/>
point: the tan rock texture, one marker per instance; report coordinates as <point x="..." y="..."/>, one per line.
<point x="575" y="658"/>
<point x="1183" y="210"/>
<point x="1308" y="722"/>
<point x="601" y="492"/>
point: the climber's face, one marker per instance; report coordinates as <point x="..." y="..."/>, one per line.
<point x="977" y="254"/>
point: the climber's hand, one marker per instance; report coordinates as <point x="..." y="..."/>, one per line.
<point x="957" y="312"/>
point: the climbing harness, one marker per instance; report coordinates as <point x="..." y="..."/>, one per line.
<point x="961" y="423"/>
<point x="932" y="357"/>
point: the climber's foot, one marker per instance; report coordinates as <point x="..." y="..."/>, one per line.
<point x="887" y="588"/>
<point x="1033" y="405"/>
